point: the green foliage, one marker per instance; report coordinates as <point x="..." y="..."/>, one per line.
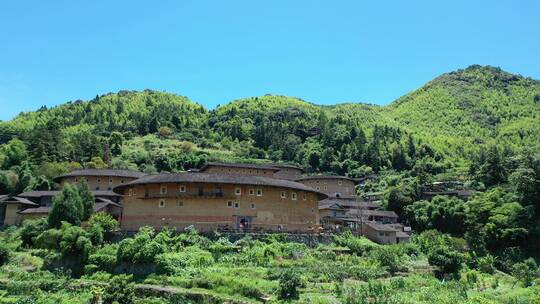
<point x="448" y="260"/>
<point x="87" y="199"/>
<point x="119" y="290"/>
<point x="31" y="229"/>
<point x="141" y="249"/>
<point x="289" y="282"/>
<point x="526" y="271"/>
<point x="188" y="257"/>
<point x="441" y="213"/>
<point x="4" y="254"/>
<point x="358" y="245"/>
<point x="67" y="207"/>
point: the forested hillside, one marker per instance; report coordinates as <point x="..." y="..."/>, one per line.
<point x="478" y="128"/>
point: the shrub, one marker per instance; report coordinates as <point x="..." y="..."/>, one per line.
<point x="174" y="262"/>
<point x="31" y="229"/>
<point x="389" y="257"/>
<point x="120" y="289"/>
<point x="447" y="260"/>
<point x="105" y="220"/>
<point x="358" y="245"/>
<point x="141" y="249"/>
<point x="4" y="254"/>
<point x="526" y="271"/>
<point x="67" y="207"/>
<point x="289" y="282"/>
<point x="105" y="258"/>
<point x="486" y="264"/>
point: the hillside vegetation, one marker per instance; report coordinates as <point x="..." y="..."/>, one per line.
<point x="478" y="128"/>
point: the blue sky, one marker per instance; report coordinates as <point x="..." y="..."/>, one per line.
<point x="217" y="51"/>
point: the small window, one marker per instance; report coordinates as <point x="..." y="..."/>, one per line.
<point x="109" y="188"/>
<point x="317" y="188"/>
<point x="259" y="192"/>
<point x="381" y="234"/>
<point x="163" y="190"/>
<point x="339" y="183"/>
<point x="179" y="204"/>
<point x="99" y="179"/>
<point x="283" y="194"/>
<point x="161" y="203"/>
<point x="97" y="188"/>
<point x="238" y="191"/>
<point x="304" y="196"/>
<point x="236" y="205"/>
<point x="130" y="192"/>
<point x="325" y="187"/>
<point x="110" y="181"/>
<point x="134" y="191"/>
<point x="76" y="180"/>
<point x="252" y="206"/>
<point x="121" y="181"/>
<point x="182" y="188"/>
<point x="293" y="196"/>
<point x="251" y="191"/>
<point x="229" y="204"/>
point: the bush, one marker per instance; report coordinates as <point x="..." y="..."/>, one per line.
<point x="447" y="260"/>
<point x="120" y="289"/>
<point x="67" y="207"/>
<point x="358" y="245"/>
<point x="174" y="262"/>
<point x="105" y="220"/>
<point x="141" y="249"/>
<point x="289" y="282"/>
<point x="104" y="259"/>
<point x="526" y="271"/>
<point x="390" y="257"/>
<point x="4" y="254"/>
<point x="31" y="229"/>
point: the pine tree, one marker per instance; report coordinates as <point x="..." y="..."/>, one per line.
<point x="87" y="199"/>
<point x="67" y="207"/>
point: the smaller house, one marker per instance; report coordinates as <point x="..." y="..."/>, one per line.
<point x="384" y="233"/>
<point x="9" y="208"/>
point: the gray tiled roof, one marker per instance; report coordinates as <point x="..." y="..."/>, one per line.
<point x="384" y="213"/>
<point x="240" y="165"/>
<point x="310" y="177"/>
<point x="38" y="194"/>
<point x="381" y="227"/>
<point x="38" y="210"/>
<point x="101" y="172"/>
<point x="17" y="200"/>
<point x="220" y="179"/>
<point x="349" y="202"/>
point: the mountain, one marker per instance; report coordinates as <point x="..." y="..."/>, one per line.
<point x="448" y="118"/>
<point x="468" y="107"/>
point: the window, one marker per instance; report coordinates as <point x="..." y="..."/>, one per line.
<point x="252" y="206"/>
<point x="236" y="205"/>
<point x="76" y="180"/>
<point x="317" y="188"/>
<point x="237" y="191"/>
<point x="134" y="191"/>
<point x="161" y="203"/>
<point x="179" y="204"/>
<point x="182" y="188"/>
<point x="283" y="194"/>
<point x="110" y="181"/>
<point x="130" y="192"/>
<point x="325" y="187"/>
<point x="163" y="190"/>
<point x="339" y="183"/>
<point x="251" y="191"/>
<point x="304" y="196"/>
<point x="259" y="192"/>
<point x="97" y="188"/>
<point x="121" y="181"/>
<point x="381" y="234"/>
<point x="229" y="204"/>
<point x="99" y="179"/>
<point x="293" y="196"/>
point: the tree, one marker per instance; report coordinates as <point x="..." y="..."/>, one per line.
<point x="526" y="271"/>
<point x="116" y="140"/>
<point x="15" y="152"/>
<point x="67" y="207"/>
<point x="87" y="199"/>
<point x="289" y="281"/>
<point x="447" y="260"/>
<point x="96" y="163"/>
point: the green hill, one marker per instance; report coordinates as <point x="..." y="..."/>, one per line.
<point x="451" y="117"/>
<point x="472" y="106"/>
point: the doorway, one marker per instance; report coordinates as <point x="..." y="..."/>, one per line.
<point x="243" y="223"/>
